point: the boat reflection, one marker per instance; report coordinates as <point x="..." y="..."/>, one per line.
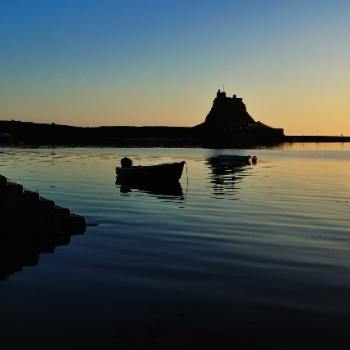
<point x="19" y="249"/>
<point x="167" y="190"/>
<point x="226" y="173"/>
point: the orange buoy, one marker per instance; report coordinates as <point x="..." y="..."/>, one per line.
<point x="254" y="159"/>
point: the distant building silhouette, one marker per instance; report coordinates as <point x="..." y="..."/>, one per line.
<point x="228" y="120"/>
<point x="228" y="112"/>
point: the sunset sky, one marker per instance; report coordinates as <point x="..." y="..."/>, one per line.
<point x="160" y="62"/>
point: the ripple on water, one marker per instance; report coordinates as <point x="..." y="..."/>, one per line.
<point x="240" y="245"/>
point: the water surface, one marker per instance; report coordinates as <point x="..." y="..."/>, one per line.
<point x="251" y="255"/>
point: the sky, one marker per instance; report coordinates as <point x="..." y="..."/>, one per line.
<point x="160" y="62"/>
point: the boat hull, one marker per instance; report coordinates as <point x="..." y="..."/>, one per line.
<point x="152" y="173"/>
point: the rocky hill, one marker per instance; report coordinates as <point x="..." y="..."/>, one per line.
<point x="228" y="120"/>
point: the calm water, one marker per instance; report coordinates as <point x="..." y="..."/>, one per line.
<point x="233" y="257"/>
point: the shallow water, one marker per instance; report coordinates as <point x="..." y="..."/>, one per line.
<point x="251" y="255"/>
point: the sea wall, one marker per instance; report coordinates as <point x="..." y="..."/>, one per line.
<point x="25" y="210"/>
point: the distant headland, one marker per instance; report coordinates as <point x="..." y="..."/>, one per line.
<point x="228" y="124"/>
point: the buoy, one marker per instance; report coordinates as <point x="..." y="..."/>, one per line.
<point x="254" y="159"/>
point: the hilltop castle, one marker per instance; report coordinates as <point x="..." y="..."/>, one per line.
<point x="228" y="120"/>
<point x="228" y="112"/>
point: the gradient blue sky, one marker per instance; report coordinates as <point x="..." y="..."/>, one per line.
<point x="104" y="62"/>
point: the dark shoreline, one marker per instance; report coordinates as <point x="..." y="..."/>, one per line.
<point x="16" y="133"/>
<point x="317" y="139"/>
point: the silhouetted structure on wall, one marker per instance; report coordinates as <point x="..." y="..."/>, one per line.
<point x="229" y="121"/>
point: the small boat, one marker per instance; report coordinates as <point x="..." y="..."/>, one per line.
<point x="165" y="172"/>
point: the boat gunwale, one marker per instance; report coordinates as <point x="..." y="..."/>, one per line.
<point x="149" y="173"/>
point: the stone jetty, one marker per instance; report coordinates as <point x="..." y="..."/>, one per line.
<point x="22" y="209"/>
<point x="31" y="225"/>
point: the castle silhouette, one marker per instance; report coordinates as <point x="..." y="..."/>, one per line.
<point x="228" y="120"/>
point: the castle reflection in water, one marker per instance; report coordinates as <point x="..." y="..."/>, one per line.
<point x="226" y="172"/>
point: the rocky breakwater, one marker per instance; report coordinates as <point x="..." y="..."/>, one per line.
<point x="31" y="225"/>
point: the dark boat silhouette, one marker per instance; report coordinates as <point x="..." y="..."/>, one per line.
<point x="160" y="173"/>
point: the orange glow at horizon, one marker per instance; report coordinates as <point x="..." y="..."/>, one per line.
<point x="163" y="64"/>
<point x="308" y="117"/>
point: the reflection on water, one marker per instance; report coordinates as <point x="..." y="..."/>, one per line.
<point x="29" y="230"/>
<point x="226" y="173"/>
<point x="269" y="268"/>
<point x="167" y="190"/>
